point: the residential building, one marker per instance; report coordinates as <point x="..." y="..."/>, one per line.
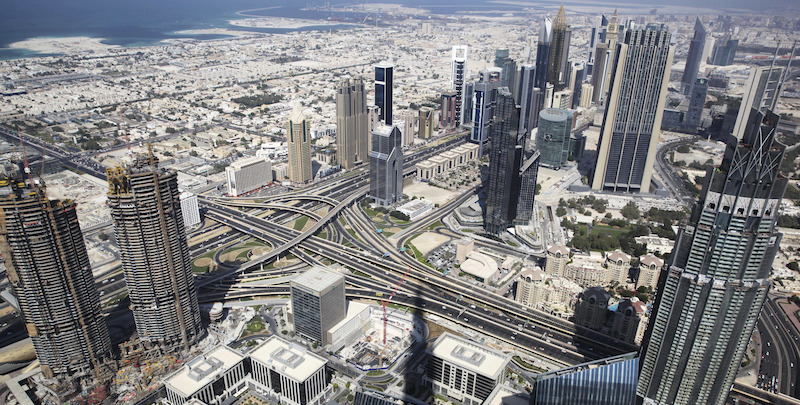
<point x="586" y="273"/>
<point x="530" y="291"/>
<point x="505" y="159"/>
<point x="556" y="260"/>
<point x="552" y="137"/>
<point x="409" y="124"/>
<point x="299" y="141"/>
<point x="248" y="174"/>
<point x="464" y="370"/>
<point x="587" y="91"/>
<point x="694" y="58"/>
<point x="352" y="123"/>
<point x="649" y="269"/>
<point x="592" y="308"/>
<point x="318" y="303"/>
<point x="718" y="274"/>
<point x="559" y="51"/>
<point x="761" y="92"/>
<point x="618" y="264"/>
<point x="384" y="81"/>
<point x="148" y="224"/>
<point x="386" y="165"/>
<point x="608" y="381"/>
<point x="288" y="373"/>
<point x="632" y="123"/>
<point x="458" y="76"/>
<point x="425" y="122"/>
<point x="211" y="378"/>
<point x="190" y="209"/>
<point x="630" y="321"/>
<point x="49" y="271"/>
<point x="724" y="51"/>
<point x="447" y="116"/>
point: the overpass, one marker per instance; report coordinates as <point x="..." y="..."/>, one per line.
<point x="760" y="396"/>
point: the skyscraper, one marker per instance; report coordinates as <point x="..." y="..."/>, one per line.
<point x="508" y="66"/>
<point x="543" y="54"/>
<point x="425" y="122"/>
<point x="148" y="223"/>
<point x="631" y="125"/>
<point x="724" y="51"/>
<point x="505" y="159"/>
<point x="559" y="51"/>
<point x="717" y="278"/>
<point x="604" y="61"/>
<point x="352" y="123"/>
<point x="528" y="99"/>
<point x="694" y="58"/>
<point x="386" y="165"/>
<point x="384" y="75"/>
<point x="447" y="115"/>
<point x="697" y="101"/>
<point x="552" y="138"/>
<point x="318" y="303"/>
<point x="299" y="144"/>
<point x="483" y="101"/>
<point x="49" y="271"/>
<point x="528" y="174"/>
<point x="760" y="92"/>
<point x="457" y="77"/>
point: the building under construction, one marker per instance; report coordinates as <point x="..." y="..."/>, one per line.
<point x="47" y="265"/>
<point x="148" y="223"/>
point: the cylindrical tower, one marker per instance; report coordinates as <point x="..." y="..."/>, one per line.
<point x="148" y="223"/>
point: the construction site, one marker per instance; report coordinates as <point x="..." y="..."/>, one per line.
<point x="379" y="347"/>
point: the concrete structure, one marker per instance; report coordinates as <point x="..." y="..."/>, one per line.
<point x="299" y="141"/>
<point x="447" y="161"/>
<point x="537" y="289"/>
<point x="592" y="308"/>
<point x="649" y="270"/>
<point x="528" y="98"/>
<point x="280" y="172"/>
<point x="697" y="101"/>
<point x="458" y="75"/>
<point x="630" y="321"/>
<point x="552" y="137"/>
<point x="318" y="303"/>
<point x="212" y="378"/>
<point x="761" y="91"/>
<point x="148" y="223"/>
<point x="626" y="151"/>
<point x="425" y="123"/>
<point x="559" y="51"/>
<point x="529" y="287"/>
<point x="290" y="374"/>
<point x="618" y="264"/>
<point x="464" y="247"/>
<point x="561" y="99"/>
<point x="586" y="273"/>
<point x="481" y="266"/>
<point x="384" y="83"/>
<point x="409" y="124"/>
<point x="352" y="123"/>
<point x="248" y="174"/>
<point x="724" y="51"/>
<point x="386" y="166"/>
<point x="556" y="260"/>
<point x="655" y="243"/>
<point x="608" y="381"/>
<point x="349" y="329"/>
<point x="718" y="275"/>
<point x="508" y="68"/>
<point x="587" y="91"/>
<point x="190" y="209"/>
<point x="447" y="115"/>
<point x="505" y="160"/>
<point x="464" y="370"/>
<point x="543" y="47"/>
<point x="695" y="57"/>
<point x="416" y="208"/>
<point x="48" y="268"/>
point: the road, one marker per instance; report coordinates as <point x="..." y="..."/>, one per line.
<point x="780" y="351"/>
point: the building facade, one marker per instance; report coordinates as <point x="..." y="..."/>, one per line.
<point x="528" y="175"/>
<point x="694" y="58"/>
<point x="697" y="101"/>
<point x="352" y="123"/>
<point x="484" y="98"/>
<point x="299" y="140"/>
<point x="191" y="209"/>
<point x="632" y="123"/>
<point x="318" y="303"/>
<point x="630" y="321"/>
<point x="386" y="166"/>
<point x="556" y="260"/>
<point x="609" y="381"/>
<point x="649" y="269"/>
<point x="447" y="114"/>
<point x="724" y="51"/>
<point x="711" y="293"/>
<point x="248" y="174"/>
<point x="761" y="92"/>
<point x="290" y="374"/>
<point x="559" y="51"/>
<point x="618" y="264"/>
<point x="148" y="224"/>
<point x="425" y="122"/>
<point x="384" y="82"/>
<point x="592" y="308"/>
<point x="211" y="378"/>
<point x="552" y="138"/>
<point x="505" y="159"/>
<point x="458" y="76"/>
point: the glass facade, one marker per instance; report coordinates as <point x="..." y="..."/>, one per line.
<point x="505" y="159"/>
<point x="386" y="166"/>
<point x="610" y="381"/>
<point x="552" y="138"/>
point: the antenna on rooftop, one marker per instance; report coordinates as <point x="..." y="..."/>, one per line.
<point x="769" y="77"/>
<point x="785" y="76"/>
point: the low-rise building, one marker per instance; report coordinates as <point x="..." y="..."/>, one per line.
<point x="349" y="329"/>
<point x="289" y="373"/>
<point x="655" y="244"/>
<point x="446" y="161"/>
<point x="212" y="378"/>
<point x="464" y="247"/>
<point x="481" y="266"/>
<point x="587" y="273"/>
<point x="416" y="208"/>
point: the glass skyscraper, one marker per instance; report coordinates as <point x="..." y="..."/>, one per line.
<point x="552" y="138"/>
<point x="386" y="165"/>
<point x="610" y="381"/>
<point x="505" y="159"/>
<point x="384" y="76"/>
<point x="715" y="283"/>
<point x="694" y="57"/>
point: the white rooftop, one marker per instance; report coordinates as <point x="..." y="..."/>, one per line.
<point x="354" y="309"/>
<point x="480" y="265"/>
<point x="290" y="359"/>
<point x="470" y="355"/>
<point x="248" y="161"/>
<point x="318" y="278"/>
<point x="383" y="130"/>
<point x="503" y="395"/>
<point x="202" y="370"/>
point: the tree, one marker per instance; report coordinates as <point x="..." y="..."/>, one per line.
<point x="560" y="211"/>
<point x="103" y="237"/>
<point x="538" y="189"/>
<point x="684" y="149"/>
<point x="193" y="153"/>
<point x="399" y="215"/>
<point x="793" y="266"/>
<point x="630" y="211"/>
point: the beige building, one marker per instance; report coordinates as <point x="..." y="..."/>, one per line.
<point x="352" y="123"/>
<point x="299" y="142"/>
<point x="447" y="161"/>
<point x="464" y="247"/>
<point x="557" y="259"/>
<point x="537" y="289"/>
<point x="426" y="122"/>
<point x="586" y="95"/>
<point x="618" y="264"/>
<point x="630" y="321"/>
<point x="530" y="291"/>
<point x="649" y="270"/>
<point x="586" y="273"/>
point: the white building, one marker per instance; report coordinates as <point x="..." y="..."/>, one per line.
<point x="189" y="209"/>
<point x="481" y="266"/>
<point x="289" y="373"/>
<point x="211" y="378"/>
<point x="416" y="208"/>
<point x="464" y="370"/>
<point x="248" y="174"/>
<point x="353" y="326"/>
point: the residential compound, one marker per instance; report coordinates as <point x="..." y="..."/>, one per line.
<point x="445" y="162"/>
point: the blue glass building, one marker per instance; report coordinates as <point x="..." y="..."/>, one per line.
<point x="609" y="381"/>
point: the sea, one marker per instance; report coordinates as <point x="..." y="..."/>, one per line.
<point x="148" y="22"/>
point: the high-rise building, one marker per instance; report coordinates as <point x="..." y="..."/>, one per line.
<point x="447" y="115"/>
<point x="384" y="79"/>
<point x="508" y="68"/>
<point x="605" y="61"/>
<point x="559" y="51"/>
<point x="694" y="58"/>
<point x="587" y="92"/>
<point x="466" y="112"/>
<point x="528" y="175"/>
<point x="608" y="381"/>
<point x="632" y="123"/>
<point x="248" y="174"/>
<point x="552" y="137"/>
<point x="49" y="270"/>
<point x="528" y="98"/>
<point x="543" y="54"/>
<point x="505" y="159"/>
<point x="318" y="303"/>
<point x="190" y="209"/>
<point x="299" y="144"/>
<point x="409" y="124"/>
<point x="577" y="75"/>
<point x="724" y="51"/>
<point x="458" y="76"/>
<point x="697" y="101"/>
<point x="290" y="373"/>
<point x="148" y="224"/>
<point x="352" y="123"/>
<point x="630" y="321"/>
<point x="386" y="165"/>
<point x="592" y="308"/>
<point x="483" y="102"/>
<point x="717" y="278"/>
<point x="761" y="91"/>
<point x="425" y="122"/>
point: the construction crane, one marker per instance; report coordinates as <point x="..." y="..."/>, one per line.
<point x="25" y="158"/>
<point x="389" y="299"/>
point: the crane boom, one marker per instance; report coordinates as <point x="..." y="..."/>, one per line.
<point x="397" y="287"/>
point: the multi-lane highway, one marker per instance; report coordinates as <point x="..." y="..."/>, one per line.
<point x="780" y="345"/>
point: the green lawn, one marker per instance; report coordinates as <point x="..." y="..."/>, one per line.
<point x="387" y="234"/>
<point x="202" y="269"/>
<point x="255" y="325"/>
<point x="300" y="223"/>
<point x="435" y="225"/>
<point x="609" y="230"/>
<point x="420" y="257"/>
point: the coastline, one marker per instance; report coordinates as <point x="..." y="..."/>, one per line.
<point x="62" y="45"/>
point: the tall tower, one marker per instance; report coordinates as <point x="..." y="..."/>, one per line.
<point x="457" y="76"/>
<point x="761" y="92"/>
<point x="49" y="270"/>
<point x="299" y="143"/>
<point x="318" y="303"/>
<point x="148" y="223"/>
<point x="724" y="51"/>
<point x="483" y="102"/>
<point x="352" y="123"/>
<point x="386" y="165"/>
<point x="384" y="75"/>
<point x="694" y="57"/>
<point x="715" y="283"/>
<point x="552" y="138"/>
<point x="543" y="54"/>
<point x="505" y="159"/>
<point x="631" y="125"/>
<point x="508" y="66"/>
<point x="697" y="100"/>
<point x="559" y="51"/>
<point x="604" y="59"/>
<point x="528" y="98"/>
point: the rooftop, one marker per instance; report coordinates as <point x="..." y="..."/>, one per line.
<point x="504" y="395"/>
<point x="289" y="359"/>
<point x="249" y="161"/>
<point x="318" y="278"/>
<point x="470" y="355"/>
<point x="354" y="309"/>
<point x="480" y="265"/>
<point x="203" y="370"/>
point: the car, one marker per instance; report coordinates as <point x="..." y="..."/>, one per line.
<point x="444" y="307"/>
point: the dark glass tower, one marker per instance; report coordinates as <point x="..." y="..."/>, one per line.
<point x="694" y="57"/>
<point x="505" y="158"/>
<point x="715" y="283"/>
<point x="697" y="100"/>
<point x="724" y="51"/>
<point x="49" y="270"/>
<point x="384" y="75"/>
<point x="543" y="54"/>
<point x="386" y="165"/>
<point x="559" y="51"/>
<point x="508" y="66"/>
